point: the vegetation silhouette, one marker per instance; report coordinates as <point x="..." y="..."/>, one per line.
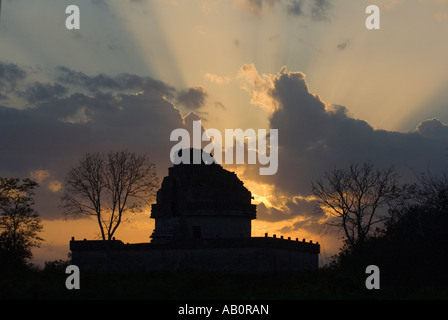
<point x="108" y="186"/>
<point x="355" y="197"/>
<point x="20" y="223"/>
<point x="410" y="250"/>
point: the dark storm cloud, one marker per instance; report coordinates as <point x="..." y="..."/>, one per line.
<point x="10" y="75"/>
<point x="433" y="128"/>
<point x="192" y="98"/>
<point x="315" y="137"/>
<point x="122" y="81"/>
<point x="106" y="113"/>
<point x="38" y="92"/>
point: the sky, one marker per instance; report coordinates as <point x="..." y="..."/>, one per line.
<point x="138" y="69"/>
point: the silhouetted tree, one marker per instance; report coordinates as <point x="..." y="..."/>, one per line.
<point x="430" y="192"/>
<point x="57" y="266"/>
<point x="108" y="186"/>
<point x="411" y="249"/>
<point x="20" y="224"/>
<point x="419" y="201"/>
<point x="354" y="196"/>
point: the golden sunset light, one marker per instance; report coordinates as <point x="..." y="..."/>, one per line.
<point x="311" y="89"/>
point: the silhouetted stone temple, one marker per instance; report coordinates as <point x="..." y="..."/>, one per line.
<point x="203" y="217"/>
<point x="202" y="201"/>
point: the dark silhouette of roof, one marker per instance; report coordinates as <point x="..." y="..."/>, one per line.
<point x="202" y="189"/>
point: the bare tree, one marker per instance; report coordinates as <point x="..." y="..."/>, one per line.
<point x="431" y="192"/>
<point x="355" y="196"/>
<point x="108" y="186"/>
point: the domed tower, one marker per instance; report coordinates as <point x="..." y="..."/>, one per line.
<point x="201" y="201"/>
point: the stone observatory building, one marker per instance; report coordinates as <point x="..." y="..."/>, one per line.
<point x="203" y="217"/>
<point x="201" y="201"/>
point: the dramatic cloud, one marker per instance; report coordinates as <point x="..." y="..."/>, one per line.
<point x="258" y="86"/>
<point x="10" y="75"/>
<point x="433" y="128"/>
<point x="121" y="82"/>
<point x="290" y="208"/>
<point x="192" y="98"/>
<point x="39" y="92"/>
<point x="78" y="114"/>
<point x="315" y="137"/>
